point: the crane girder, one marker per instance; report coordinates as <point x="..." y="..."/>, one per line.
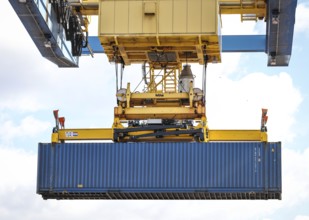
<point x="248" y="9"/>
<point x="277" y="42"/>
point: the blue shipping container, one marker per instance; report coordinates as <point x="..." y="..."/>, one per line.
<point x="215" y="170"/>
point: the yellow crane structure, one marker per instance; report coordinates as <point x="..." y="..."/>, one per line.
<point x="177" y="155"/>
<point x="162" y="36"/>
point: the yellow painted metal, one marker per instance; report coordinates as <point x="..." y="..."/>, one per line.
<point x="152" y="86"/>
<point x="159" y="104"/>
<point x="135" y="48"/>
<point x="256" y="11"/>
<point x="170" y="80"/>
<point x="250" y="10"/>
<point x="86" y="7"/>
<point x="90" y="2"/>
<point x="258" y="7"/>
<point x="158" y="99"/>
<point x="158" y="17"/>
<point x="85" y="134"/>
<point x="171" y="138"/>
<point x="163" y="110"/>
<point x="237" y="135"/>
<point x="88" y="11"/>
<point x="264" y="137"/>
<point x="117" y="123"/>
<point x="133" y="28"/>
<point x="165" y="79"/>
<point x="107" y="134"/>
<point x="165" y="96"/>
<point x="141" y="113"/>
<point x="128" y="95"/>
<point x="55" y="138"/>
<point x="191" y="95"/>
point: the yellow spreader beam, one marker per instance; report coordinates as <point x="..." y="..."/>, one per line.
<point x="108" y="134"/>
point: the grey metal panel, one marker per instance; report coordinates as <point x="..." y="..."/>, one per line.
<point x="32" y="14"/>
<point x="280" y="36"/>
<point x="230" y="170"/>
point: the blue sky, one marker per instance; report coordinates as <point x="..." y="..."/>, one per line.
<point x="31" y="87"/>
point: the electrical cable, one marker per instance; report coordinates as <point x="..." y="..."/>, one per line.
<point x="121" y="74"/>
<point x="144" y="72"/>
<point x="116" y="71"/>
<point x="204" y="78"/>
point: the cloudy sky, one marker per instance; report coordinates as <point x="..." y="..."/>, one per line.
<point x="31" y="87"/>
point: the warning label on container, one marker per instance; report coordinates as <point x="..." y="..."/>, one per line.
<point x="70" y="134"/>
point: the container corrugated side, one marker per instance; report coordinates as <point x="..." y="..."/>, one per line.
<point x="215" y="170"/>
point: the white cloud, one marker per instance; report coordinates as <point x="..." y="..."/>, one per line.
<point x="17" y="170"/>
<point x="301" y="217"/>
<point x="232" y="25"/>
<point x="237" y="104"/>
<point x="229" y="65"/>
<point x="295" y="176"/>
<point x="302" y="18"/>
<point x="25" y="103"/>
<point x="28" y="127"/>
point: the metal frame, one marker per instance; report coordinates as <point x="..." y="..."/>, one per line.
<point x="173" y="135"/>
<point x="40" y="22"/>
<point x="277" y="42"/>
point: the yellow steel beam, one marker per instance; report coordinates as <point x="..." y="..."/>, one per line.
<point x="237" y="135"/>
<point x="139" y="113"/>
<point x="87" y="7"/>
<point x="256" y="11"/>
<point x="124" y="55"/>
<point x="86" y="3"/>
<point x="159" y="103"/>
<point x="164" y="77"/>
<point x="162" y="110"/>
<point x="135" y="96"/>
<point x="88" y="12"/>
<point x="107" y="134"/>
<point x="83" y="134"/>
<point x="90" y="2"/>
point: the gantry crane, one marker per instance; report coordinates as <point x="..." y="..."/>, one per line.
<point x="165" y="37"/>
